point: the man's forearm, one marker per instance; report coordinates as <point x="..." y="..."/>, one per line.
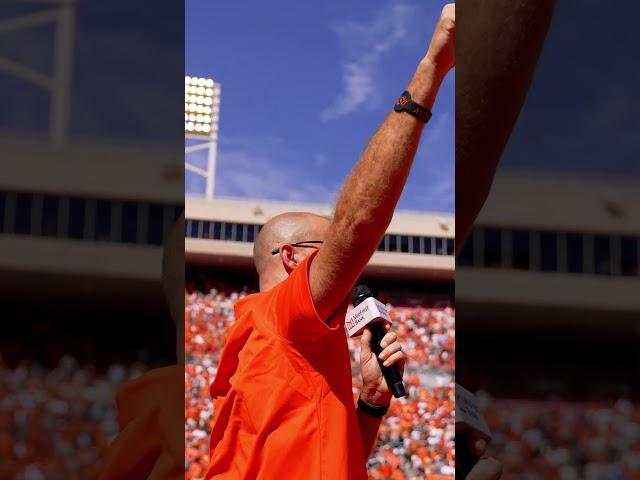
<point x="369" y="427"/>
<point x="499" y="43"/>
<point x="370" y="194"/>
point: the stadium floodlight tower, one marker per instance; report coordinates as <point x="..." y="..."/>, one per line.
<point x="201" y="115"/>
<point x="60" y="13"/>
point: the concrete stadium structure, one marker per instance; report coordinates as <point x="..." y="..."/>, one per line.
<point x="558" y="249"/>
<point x="86" y="219"/>
<point x="540" y="244"/>
<point x="221" y="232"/>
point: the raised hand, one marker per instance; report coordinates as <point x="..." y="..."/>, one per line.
<point x="442" y="49"/>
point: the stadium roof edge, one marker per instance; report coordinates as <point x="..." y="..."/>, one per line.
<point x="259" y="211"/>
<point x="129" y="171"/>
<point x="321" y="205"/>
<point x="563" y="201"/>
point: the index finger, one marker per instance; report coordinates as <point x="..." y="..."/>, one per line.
<point x="388" y="339"/>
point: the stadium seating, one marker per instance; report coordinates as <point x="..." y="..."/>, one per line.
<point x="561" y="440"/>
<point x="55" y="423"/>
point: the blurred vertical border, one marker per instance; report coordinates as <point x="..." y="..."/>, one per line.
<point x="91" y="145"/>
<point x="547" y="281"/>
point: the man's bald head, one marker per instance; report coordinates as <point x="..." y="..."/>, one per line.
<point x="282" y="229"/>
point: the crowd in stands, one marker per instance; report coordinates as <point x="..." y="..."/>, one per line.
<point x="207" y="321"/>
<point x="416" y="439"/>
<point x="560" y="440"/>
<point x="55" y="423"/>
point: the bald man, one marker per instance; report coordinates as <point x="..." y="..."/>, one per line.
<point x="283" y="395"/>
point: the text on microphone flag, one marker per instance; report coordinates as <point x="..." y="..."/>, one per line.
<point x="370" y="310"/>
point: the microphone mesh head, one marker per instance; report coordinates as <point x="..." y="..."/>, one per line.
<point x="360" y="293"/>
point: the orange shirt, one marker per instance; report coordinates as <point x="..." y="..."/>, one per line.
<point x="283" y="406"/>
<point x="150" y="443"/>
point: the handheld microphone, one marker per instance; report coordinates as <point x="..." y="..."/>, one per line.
<point x="470" y="425"/>
<point x="367" y="311"/>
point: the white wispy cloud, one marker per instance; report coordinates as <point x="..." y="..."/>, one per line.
<point x="365" y="45"/>
<point x="434" y="193"/>
<point x="258" y="176"/>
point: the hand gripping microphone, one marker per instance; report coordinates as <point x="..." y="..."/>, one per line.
<point x="367" y="311"/>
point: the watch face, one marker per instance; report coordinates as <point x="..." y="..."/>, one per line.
<point x="406" y="104"/>
<point x="402" y="102"/>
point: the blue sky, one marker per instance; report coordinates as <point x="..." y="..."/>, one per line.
<point x="305" y="85"/>
<point x="284" y="67"/>
<point x="581" y="113"/>
<point x="116" y="92"/>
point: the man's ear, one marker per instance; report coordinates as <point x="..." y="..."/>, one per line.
<point x="288" y="259"/>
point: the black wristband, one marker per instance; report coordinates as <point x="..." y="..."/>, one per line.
<point x="405" y="104"/>
<point x="373" y="410"/>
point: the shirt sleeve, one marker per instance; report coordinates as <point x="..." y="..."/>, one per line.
<point x="296" y="318"/>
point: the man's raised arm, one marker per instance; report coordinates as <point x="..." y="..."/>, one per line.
<point x="499" y="44"/>
<point x="370" y="194"/>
